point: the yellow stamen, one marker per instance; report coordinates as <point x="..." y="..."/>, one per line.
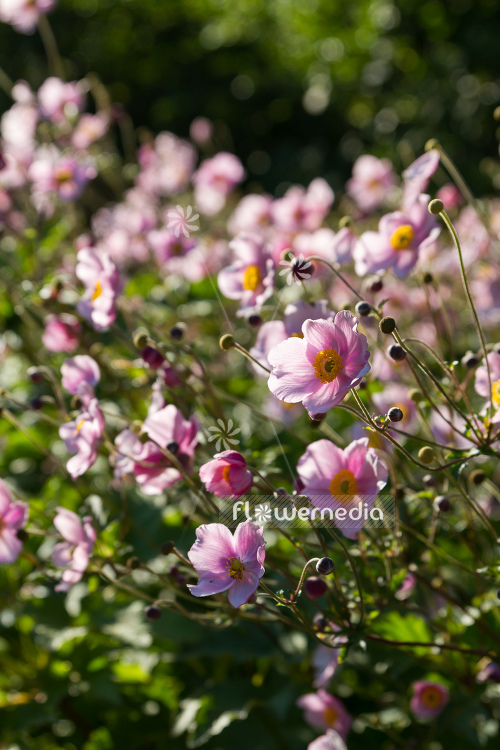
<point x="225" y="473"/>
<point x="330" y="716"/>
<point x="402" y="237"/>
<point x="495" y="392"/>
<point x="328" y="364"/>
<point x="431" y="697"/>
<point x="235" y="568"/>
<point x="79" y="426"/>
<point x="297" y="336"/>
<point x="97" y="291"/>
<point x="251" y="278"/>
<point x="343" y="484"/>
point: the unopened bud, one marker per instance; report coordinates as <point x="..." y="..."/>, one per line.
<point x="345" y="221"/>
<point x="226" y="341"/>
<point x="387" y="324"/>
<point x="315" y="587"/>
<point x="325" y="566"/>
<point x="140" y="339"/>
<point x="477" y="476"/>
<point x="436" y="206"/>
<point x="426" y="454"/>
<point x="152" y="613"/>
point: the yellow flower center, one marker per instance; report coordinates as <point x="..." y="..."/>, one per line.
<point x="225" y="473"/>
<point x="79" y="426"/>
<point x="63" y="175"/>
<point x="235" y="568"/>
<point x="328" y="364"/>
<point x="343" y="484"/>
<point x="251" y="279"/>
<point x="402" y="237"/>
<point x="430" y="697"/>
<point x="330" y="716"/>
<point x="97" y="291"/>
<point x="495" y="392"/>
<point x="297" y="336"/>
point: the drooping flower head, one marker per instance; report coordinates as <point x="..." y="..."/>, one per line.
<point x="398" y="241"/>
<point x="13" y="517"/>
<point x="342" y="480"/>
<point x="226" y="475"/>
<point x="228" y="562"/>
<point x="371" y="182"/>
<point x="320" y="368"/>
<point x="323" y="711"/>
<point x="428" y="699"/>
<point x="250" y="278"/>
<point x="74" y="553"/>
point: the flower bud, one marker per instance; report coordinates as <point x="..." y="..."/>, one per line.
<point x="363" y="309"/>
<point x="430" y="480"/>
<point x="442" y="503"/>
<point x="167" y="547"/>
<point x="22" y="535"/>
<point x="426" y="454"/>
<point x="477" y="476"/>
<point x="315" y="588"/>
<point x="36" y="403"/>
<point x="76" y="402"/>
<point x="35" y="374"/>
<point x="173" y="447"/>
<point x="387" y="324"/>
<point x="325" y="566"/>
<point x="470" y="360"/>
<point x="376" y="285"/>
<point x="140" y="339"/>
<point x="395" y="414"/>
<point x="254" y="320"/>
<point x="136" y="426"/>
<point x="178" y="331"/>
<point x="152" y="357"/>
<point x="133" y="563"/>
<point x="226" y="341"/>
<point x="345" y="221"/>
<point x="436" y="206"/>
<point x="415" y="395"/>
<point x="318" y="418"/>
<point x="428" y="278"/>
<point x="152" y="613"/>
<point x="431" y="143"/>
<point x="396" y="352"/>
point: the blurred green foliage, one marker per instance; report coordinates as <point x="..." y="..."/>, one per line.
<point x="297" y="88"/>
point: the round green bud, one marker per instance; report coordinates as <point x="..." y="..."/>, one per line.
<point x="477" y="476"/>
<point x="436" y="206"/>
<point x="140" y="339"/>
<point x="387" y="325"/>
<point x="415" y="395"/>
<point x="226" y="341"/>
<point x="426" y="454"/>
<point x="345" y="221"/>
<point x="431" y="143"/>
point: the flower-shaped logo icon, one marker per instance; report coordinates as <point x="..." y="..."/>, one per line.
<point x="296" y="269"/>
<point x="224" y="434"/>
<point x="182" y="221"/>
<point x="263" y="513"/>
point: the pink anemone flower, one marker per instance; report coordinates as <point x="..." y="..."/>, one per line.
<point x="428" y="699"/>
<point x="371" y="182"/>
<point x="320" y="368"/>
<point x="401" y="236"/>
<point x="250" y="278"/>
<point x="74" y="553"/>
<point x="329" y="741"/>
<point x="226" y="475"/>
<point x="228" y="562"/>
<point x="323" y="711"/>
<point x="13" y="517"/>
<point x="62" y="333"/>
<point x="342" y="480"/>
<point x="102" y="282"/>
<point x="81" y="436"/>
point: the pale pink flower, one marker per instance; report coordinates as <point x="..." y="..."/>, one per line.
<point x="404" y="591"/>
<point x="428" y="699"/>
<point x="201" y="130"/>
<point x="482" y="384"/>
<point x="90" y="128"/>
<point x="252" y="214"/>
<point x="329" y="741"/>
<point x="102" y="282"/>
<point x="323" y="711"/>
<point x="228" y="562"/>
<point x="62" y="333"/>
<point x="273" y="332"/>
<point x="320" y="368"/>
<point x="60" y="101"/>
<point x="398" y="241"/>
<point x="450" y="196"/>
<point x="56" y="175"/>
<point x="13" y="517"/>
<point x="214" y="180"/>
<point x="250" y="277"/>
<point x="226" y="475"/>
<point x="343" y="480"/>
<point x="167" y="165"/>
<point x="417" y="176"/>
<point x="169" y="249"/>
<point x="371" y="183"/>
<point x="74" y="553"/>
<point x="24" y="15"/>
<point x="80" y="375"/>
<point x="82" y="436"/>
<point x="303" y="210"/>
